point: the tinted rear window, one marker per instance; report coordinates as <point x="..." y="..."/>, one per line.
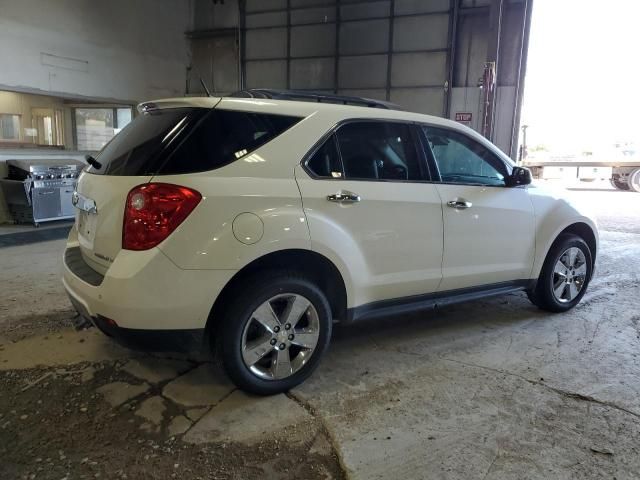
<point x="189" y="140"/>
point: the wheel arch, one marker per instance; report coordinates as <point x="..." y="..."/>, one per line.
<point x="580" y="228"/>
<point x="585" y="232"/>
<point x="318" y="267"/>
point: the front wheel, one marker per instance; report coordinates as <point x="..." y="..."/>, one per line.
<point x="274" y="332"/>
<point x="565" y="275"/>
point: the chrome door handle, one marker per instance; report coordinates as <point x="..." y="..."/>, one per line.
<point x="459" y="204"/>
<point x="344" y="197"/>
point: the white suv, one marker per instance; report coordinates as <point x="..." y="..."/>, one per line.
<point x="255" y="223"/>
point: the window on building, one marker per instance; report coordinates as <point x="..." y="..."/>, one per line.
<point x="94" y="127"/>
<point x="47" y="126"/>
<point x="9" y="127"/>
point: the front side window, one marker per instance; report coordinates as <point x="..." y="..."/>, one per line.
<point x="464" y="161"/>
<point x="378" y="151"/>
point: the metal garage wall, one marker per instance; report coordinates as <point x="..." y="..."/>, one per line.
<point x="476" y="34"/>
<point x="397" y="50"/>
<point x="425" y="55"/>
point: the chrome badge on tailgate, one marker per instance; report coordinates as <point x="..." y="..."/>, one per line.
<point x="83" y="203"/>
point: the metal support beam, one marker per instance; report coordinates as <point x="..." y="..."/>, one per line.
<point x="491" y="67"/>
<point x="392" y="7"/>
<point x="288" y="81"/>
<point x="242" y="16"/>
<point x="522" y="70"/>
<point x="336" y="60"/>
<point x="451" y="54"/>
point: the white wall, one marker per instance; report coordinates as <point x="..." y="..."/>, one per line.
<point x="126" y="50"/>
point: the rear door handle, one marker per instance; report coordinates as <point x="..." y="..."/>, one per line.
<point x="344" y="197"/>
<point x="459" y="204"/>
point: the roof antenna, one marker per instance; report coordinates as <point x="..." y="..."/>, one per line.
<point x="204" y="85"/>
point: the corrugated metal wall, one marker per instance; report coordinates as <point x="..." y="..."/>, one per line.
<point x="425" y="55"/>
<point x="395" y="50"/>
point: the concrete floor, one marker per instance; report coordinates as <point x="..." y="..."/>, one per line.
<point x="489" y="389"/>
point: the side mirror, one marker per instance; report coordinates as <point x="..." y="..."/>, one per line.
<point x="519" y="176"/>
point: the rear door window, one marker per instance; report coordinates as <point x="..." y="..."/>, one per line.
<point x="187" y="140"/>
<point x="379" y="151"/>
<point x="325" y="162"/>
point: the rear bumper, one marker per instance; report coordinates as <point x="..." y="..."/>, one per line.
<point x="146" y="340"/>
<point x="144" y="294"/>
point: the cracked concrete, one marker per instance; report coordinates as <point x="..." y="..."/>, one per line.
<point x="204" y="385"/>
<point x="156" y="370"/>
<point x="117" y="393"/>
<point x="485" y="390"/>
<point x="152" y="409"/>
<point x="228" y="419"/>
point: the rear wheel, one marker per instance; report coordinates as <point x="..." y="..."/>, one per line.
<point x="634" y="180"/>
<point x="565" y="275"/>
<point x="617" y="184"/>
<point x="274" y="332"/>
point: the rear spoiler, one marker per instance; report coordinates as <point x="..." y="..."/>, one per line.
<point x="186" y="102"/>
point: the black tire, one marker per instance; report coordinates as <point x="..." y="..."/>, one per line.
<point x="238" y="312"/>
<point x="620" y="185"/>
<point x="542" y="295"/>
<point x="634" y="180"/>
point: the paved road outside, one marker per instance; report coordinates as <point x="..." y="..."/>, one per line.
<point x="485" y="390"/>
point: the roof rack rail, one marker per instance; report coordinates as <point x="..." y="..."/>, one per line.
<point x="311" y="96"/>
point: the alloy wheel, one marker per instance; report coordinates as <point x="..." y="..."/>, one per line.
<point x="280" y="336"/>
<point x="569" y="275"/>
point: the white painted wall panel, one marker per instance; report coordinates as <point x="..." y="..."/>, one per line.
<point x="404" y="7"/>
<point x="107" y="50"/>
<point x="270" y="43"/>
<point x="317" y="73"/>
<point x="364" y="10"/>
<point x="257" y="5"/>
<point x="412" y="69"/>
<point x="422" y="100"/>
<point x="377" y="94"/>
<point x="313" y="40"/>
<point x="370" y="36"/>
<point x="362" y="72"/>
<point x="267" y="19"/>
<point x="313" y="15"/>
<point x="267" y="74"/>
<point x="423" y="32"/>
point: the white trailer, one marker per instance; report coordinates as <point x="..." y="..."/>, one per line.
<point x="623" y="174"/>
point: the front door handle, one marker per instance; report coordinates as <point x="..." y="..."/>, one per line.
<point x="344" y="197"/>
<point x="459" y="204"/>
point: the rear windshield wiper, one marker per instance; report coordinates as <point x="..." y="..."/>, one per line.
<point x="93" y="162"/>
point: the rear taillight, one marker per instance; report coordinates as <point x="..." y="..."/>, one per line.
<point x="153" y="211"/>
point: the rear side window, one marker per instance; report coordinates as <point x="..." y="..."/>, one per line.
<point x="379" y="151"/>
<point x="179" y="141"/>
<point x="325" y="162"/>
